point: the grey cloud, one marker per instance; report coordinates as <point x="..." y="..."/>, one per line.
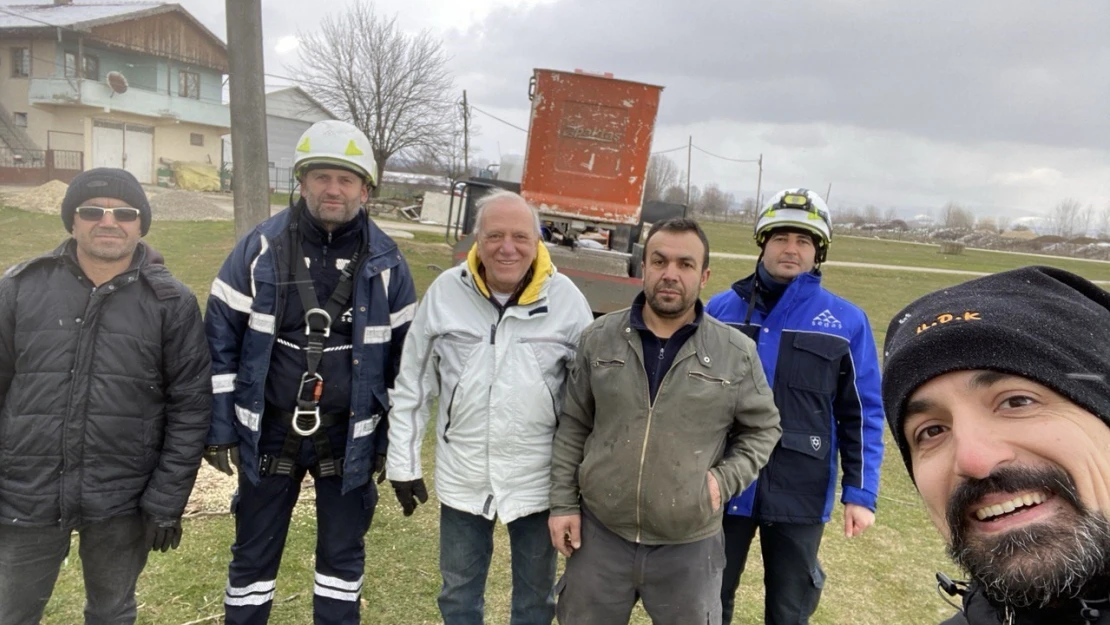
<point x="1016" y="70"/>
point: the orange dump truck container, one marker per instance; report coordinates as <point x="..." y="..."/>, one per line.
<point x="588" y="146"/>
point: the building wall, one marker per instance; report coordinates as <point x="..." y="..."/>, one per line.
<point x="281" y="139"/>
<point x="13" y="91"/>
<point x="172" y="142"/>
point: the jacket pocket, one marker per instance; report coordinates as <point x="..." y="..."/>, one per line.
<point x="800" y="464"/>
<point x="450" y="409"/>
<point x="814" y="362"/>
<point x="709" y="379"/>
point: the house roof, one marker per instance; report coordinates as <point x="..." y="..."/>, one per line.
<point x="19" y="18"/>
<point x="304" y="94"/>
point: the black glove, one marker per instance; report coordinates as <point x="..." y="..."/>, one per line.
<point x="222" y="457"/>
<point x="409" y="492"/>
<point x="162" y="533"/>
<point x="379" y="467"/>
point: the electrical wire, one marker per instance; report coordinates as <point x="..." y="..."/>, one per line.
<point x="681" y="147"/>
<point x="725" y="158"/>
<point x="498" y="119"/>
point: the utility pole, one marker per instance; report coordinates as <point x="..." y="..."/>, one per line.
<point x="828" y="192"/>
<point x="466" y="135"/>
<point x="759" y="187"/>
<point x="689" y="153"/>
<point x="250" y="171"/>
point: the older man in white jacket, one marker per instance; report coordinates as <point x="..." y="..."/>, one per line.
<point x="492" y="339"/>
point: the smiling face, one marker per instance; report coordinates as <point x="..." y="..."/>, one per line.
<point x="107" y="239"/>
<point x="507" y="240"/>
<point x="788" y="254"/>
<point x="1017" y="479"/>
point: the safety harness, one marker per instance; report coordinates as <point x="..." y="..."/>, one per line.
<point x="306" y="421"/>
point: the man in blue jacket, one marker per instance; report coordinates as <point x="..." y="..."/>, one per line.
<point x="305" y="322"/>
<point x="819" y="355"/>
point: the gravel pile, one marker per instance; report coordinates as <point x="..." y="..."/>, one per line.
<point x="185" y="206"/>
<point x="45" y="198"/>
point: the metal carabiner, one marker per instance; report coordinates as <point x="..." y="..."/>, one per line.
<point x="308" y="325"/>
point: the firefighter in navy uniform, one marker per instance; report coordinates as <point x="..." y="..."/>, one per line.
<point x="306" y="320"/>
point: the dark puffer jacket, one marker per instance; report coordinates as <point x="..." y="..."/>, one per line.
<point x="105" y="397"/>
<point x="979" y="610"/>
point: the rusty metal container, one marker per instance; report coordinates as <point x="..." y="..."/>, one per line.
<point x="588" y="145"/>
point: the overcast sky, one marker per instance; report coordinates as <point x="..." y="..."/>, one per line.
<point x="1002" y="105"/>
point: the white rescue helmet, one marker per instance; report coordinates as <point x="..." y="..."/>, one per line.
<point x="333" y="142"/>
<point x="796" y="208"/>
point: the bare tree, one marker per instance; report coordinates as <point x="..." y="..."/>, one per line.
<point x="662" y="173"/>
<point x="749" y="210"/>
<point x="890" y="214"/>
<point x="989" y="224"/>
<point x="952" y="215"/>
<point x="1003" y="223"/>
<point x="871" y="214"/>
<point x="448" y="158"/>
<point x="1104" y="223"/>
<point x="1086" y="218"/>
<point x="394" y="86"/>
<point x="850" y="215"/>
<point x="714" y="201"/>
<point x="675" y="194"/>
<point x="1066" y="217"/>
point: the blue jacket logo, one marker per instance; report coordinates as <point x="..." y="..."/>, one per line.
<point x="826" y="320"/>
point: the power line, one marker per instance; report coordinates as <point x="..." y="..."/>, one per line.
<point x="725" y="158"/>
<point x="498" y="118"/>
<point x="681" y="147"/>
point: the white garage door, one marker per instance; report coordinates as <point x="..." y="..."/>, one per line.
<point x="127" y="146"/>
<point x="107" y="144"/>
<point x="138" y="152"/>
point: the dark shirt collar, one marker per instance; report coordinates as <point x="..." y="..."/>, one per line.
<point x="636" y="314"/>
<point x="315" y="232"/>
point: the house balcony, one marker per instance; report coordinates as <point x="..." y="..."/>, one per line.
<point x="91" y="93"/>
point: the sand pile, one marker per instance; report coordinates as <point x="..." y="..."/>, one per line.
<point x="185" y="206"/>
<point x="45" y="198"/>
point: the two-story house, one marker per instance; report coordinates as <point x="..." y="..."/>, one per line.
<point x="109" y="85"/>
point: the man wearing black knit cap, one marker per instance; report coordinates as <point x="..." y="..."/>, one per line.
<point x="997" y="393"/>
<point x="105" y="402"/>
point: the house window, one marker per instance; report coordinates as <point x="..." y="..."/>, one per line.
<point x="91" y="63"/>
<point x="92" y="67"/>
<point x="19" y="119"/>
<point x="195" y="138"/>
<point x="188" y="85"/>
<point x="21" y="62"/>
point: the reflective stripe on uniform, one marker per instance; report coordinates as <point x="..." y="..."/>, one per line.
<point x="403" y="316"/>
<point x="223" y="383"/>
<point x="257" y="593"/>
<point x="375" y="335"/>
<point x="335" y="588"/>
<point x="228" y="295"/>
<point x="247" y="418"/>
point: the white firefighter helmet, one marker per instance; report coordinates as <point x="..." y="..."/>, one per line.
<point x="336" y="143"/>
<point x="796" y="208"/>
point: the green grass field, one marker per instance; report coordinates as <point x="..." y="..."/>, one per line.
<point x="883" y="577"/>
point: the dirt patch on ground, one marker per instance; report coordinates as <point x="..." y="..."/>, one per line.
<point x="185" y="206"/>
<point x="45" y="198"/>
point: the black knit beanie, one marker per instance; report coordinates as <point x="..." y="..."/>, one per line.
<point x="105" y="182"/>
<point x="1040" y="323"/>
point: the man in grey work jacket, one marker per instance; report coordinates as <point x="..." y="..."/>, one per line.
<point x="306" y="321"/>
<point x="667" y="414"/>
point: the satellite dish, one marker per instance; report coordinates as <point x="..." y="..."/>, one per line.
<point x="117" y="82"/>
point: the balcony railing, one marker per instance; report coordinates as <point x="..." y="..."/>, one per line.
<point x="73" y="91"/>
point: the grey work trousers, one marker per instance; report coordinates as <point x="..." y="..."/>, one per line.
<point x="113" y="553"/>
<point x="678" y="584"/>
